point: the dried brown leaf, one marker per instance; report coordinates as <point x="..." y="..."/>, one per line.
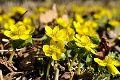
<point x="49" y="15"/>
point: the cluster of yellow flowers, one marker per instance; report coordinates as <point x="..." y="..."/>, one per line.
<point x="58" y="35"/>
<point x="19" y="31"/>
<point x="78" y="30"/>
<point x="22" y="29"/>
<point x="66" y="34"/>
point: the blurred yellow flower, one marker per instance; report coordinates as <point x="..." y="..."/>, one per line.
<point x="55" y="49"/>
<point x="40" y="10"/>
<point x="110" y="62"/>
<point x="85" y="28"/>
<point x="55" y="33"/>
<point x="85" y="42"/>
<point x="114" y="23"/>
<point x="19" y="32"/>
<point x="27" y="21"/>
<point x="8" y="23"/>
<point x="78" y="9"/>
<point x="62" y="22"/>
<point x="69" y="34"/>
<point x="17" y="9"/>
<point x="79" y="18"/>
<point x="91" y="23"/>
<point x="103" y="13"/>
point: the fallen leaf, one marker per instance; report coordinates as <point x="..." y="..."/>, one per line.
<point x="49" y="15"/>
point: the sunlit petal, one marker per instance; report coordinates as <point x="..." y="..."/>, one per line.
<point x="112" y="69"/>
<point x="48" y="30"/>
<point x="7" y="33"/>
<point x="25" y="36"/>
<point x="100" y="62"/>
<point x="60" y="44"/>
<point x="116" y="63"/>
<point x="46" y="49"/>
<point x="56" y="56"/>
<point x="52" y="42"/>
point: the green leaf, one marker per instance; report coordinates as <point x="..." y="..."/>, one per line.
<point x="89" y="59"/>
<point x="68" y="53"/>
<point x="21" y="43"/>
<point x="95" y="39"/>
<point x="17" y="43"/>
<point x="52" y="62"/>
<point x="47" y="41"/>
<point x="63" y="56"/>
<point x="28" y="42"/>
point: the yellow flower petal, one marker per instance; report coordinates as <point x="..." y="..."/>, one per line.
<point x="22" y="29"/>
<point x="55" y="30"/>
<point x="79" y="45"/>
<point x="61" y="35"/>
<point x="25" y="36"/>
<point x="85" y="39"/>
<point x="100" y="62"/>
<point x="48" y="30"/>
<point x="52" y="42"/>
<point x="112" y="69"/>
<point x="46" y="49"/>
<point x="57" y="55"/>
<point x="7" y="33"/>
<point x="15" y="37"/>
<point x="13" y="28"/>
<point x="90" y="49"/>
<point x="60" y="44"/>
<point x="116" y="63"/>
<point x="78" y="37"/>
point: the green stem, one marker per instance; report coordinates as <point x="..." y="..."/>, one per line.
<point x="12" y="55"/>
<point x="69" y="68"/>
<point x="67" y="58"/>
<point x="48" y="69"/>
<point x="78" y="70"/>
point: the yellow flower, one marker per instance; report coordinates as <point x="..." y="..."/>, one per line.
<point x="85" y="42"/>
<point x="40" y="10"/>
<point x="8" y="23"/>
<point x="79" y="18"/>
<point x="56" y="34"/>
<point x="69" y="34"/>
<point x="91" y="23"/>
<point x="55" y="49"/>
<point x="62" y="22"/>
<point x="103" y="13"/>
<point x="19" y="32"/>
<point x="3" y="17"/>
<point x="110" y="62"/>
<point x="27" y="21"/>
<point x="17" y="9"/>
<point x="85" y="29"/>
<point x="78" y="9"/>
<point x="115" y="23"/>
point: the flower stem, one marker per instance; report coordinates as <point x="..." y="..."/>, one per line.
<point x="56" y="70"/>
<point x="69" y="68"/>
<point x="48" y="69"/>
<point x="56" y="74"/>
<point x="67" y="58"/>
<point x="78" y="70"/>
<point x="12" y="55"/>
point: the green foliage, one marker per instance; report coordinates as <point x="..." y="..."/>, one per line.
<point x="89" y="59"/>
<point x="95" y="40"/>
<point x="21" y="43"/>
